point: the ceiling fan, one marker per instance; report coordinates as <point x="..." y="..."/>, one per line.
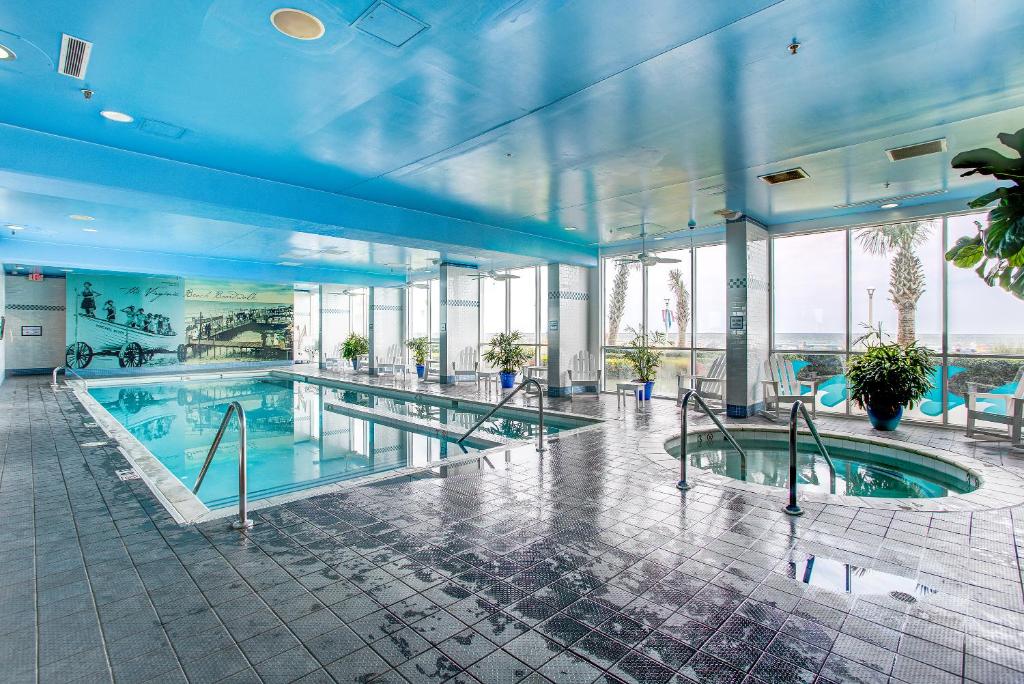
<point x="494" y="275"/>
<point x="645" y="258"/>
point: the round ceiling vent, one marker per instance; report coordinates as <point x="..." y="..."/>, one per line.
<point x="297" y="24"/>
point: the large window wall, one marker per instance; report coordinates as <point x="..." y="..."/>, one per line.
<point x="830" y="288"/>
<point x="684" y="300"/>
<point x="516" y="304"/>
<point x="342" y="311"/>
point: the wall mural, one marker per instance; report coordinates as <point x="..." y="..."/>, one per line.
<point x="126" y="321"/>
<point x="238" y="321"/>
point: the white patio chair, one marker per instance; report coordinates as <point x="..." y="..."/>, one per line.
<point x="1012" y="414"/>
<point x="465" y="365"/>
<point x="538" y="373"/>
<point x="710" y="386"/>
<point x="585" y="374"/>
<point x="391" y="362"/>
<point x="781" y="387"/>
<point x="489" y="376"/>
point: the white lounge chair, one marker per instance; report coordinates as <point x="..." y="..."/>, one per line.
<point x="781" y="387"/>
<point x="710" y="386"/>
<point x="1012" y="415"/>
<point x="489" y="376"/>
<point x="465" y="365"/>
<point x="392" y="362"/>
<point x="585" y="374"/>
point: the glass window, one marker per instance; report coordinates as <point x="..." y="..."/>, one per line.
<point x="709" y="301"/>
<point x="982" y="319"/>
<point x="492" y="308"/>
<point x="435" y="318"/>
<point x="336" y="314"/>
<point x="896" y="282"/>
<point x="544" y="309"/>
<point x="809" y="291"/>
<point x="419" y="310"/>
<point x="623" y="291"/>
<point x="523" y="304"/>
<point x="357" y="308"/>
<point x="668" y="298"/>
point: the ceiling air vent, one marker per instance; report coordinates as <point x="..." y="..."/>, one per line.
<point x="918" y="150"/>
<point x="390" y="24"/>
<point x="784" y="176"/>
<point x="74" y="56"/>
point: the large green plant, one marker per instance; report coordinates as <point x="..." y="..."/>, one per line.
<point x="996" y="252"/>
<point x="506" y="354"/>
<point x="888" y="376"/>
<point x="419" y="346"/>
<point x="356" y="345"/>
<point x="643" y="354"/>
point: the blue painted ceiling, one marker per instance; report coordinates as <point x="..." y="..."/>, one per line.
<point x="496" y="130"/>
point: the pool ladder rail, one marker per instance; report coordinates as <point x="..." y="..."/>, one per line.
<point x="794" y="413"/>
<point x="540" y="422"/>
<point x="243" y="522"/>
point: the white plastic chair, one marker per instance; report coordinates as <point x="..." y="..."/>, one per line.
<point x="465" y="366"/>
<point x="391" y="362"/>
<point x="710" y="387"/>
<point x="781" y="387"/>
<point x="1012" y="415"/>
<point x="585" y="374"/>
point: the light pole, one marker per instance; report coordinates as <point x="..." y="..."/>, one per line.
<point x="871" y="307"/>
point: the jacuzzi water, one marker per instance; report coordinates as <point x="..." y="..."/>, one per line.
<point x="300" y="435"/>
<point x="858" y="472"/>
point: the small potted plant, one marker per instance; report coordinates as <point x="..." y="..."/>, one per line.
<point x="506" y="354"/>
<point x="888" y="377"/>
<point x="356" y="345"/>
<point x="645" y="357"/>
<point x="419" y="347"/>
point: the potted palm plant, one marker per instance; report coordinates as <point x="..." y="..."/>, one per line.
<point x="645" y="357"/>
<point x="356" y="345"/>
<point x="888" y="377"/>
<point x="419" y="347"/>
<point x="506" y="354"/>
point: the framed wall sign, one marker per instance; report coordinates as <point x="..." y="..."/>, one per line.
<point x="31" y="331"/>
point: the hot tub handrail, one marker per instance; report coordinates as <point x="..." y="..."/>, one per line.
<point x="540" y="420"/>
<point x="683" y="428"/>
<point x="794" y="413"/>
<point x="243" y="522"/>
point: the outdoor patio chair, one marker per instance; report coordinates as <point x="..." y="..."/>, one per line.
<point x="465" y="365"/>
<point x="391" y="362"/>
<point x="585" y="374"/>
<point x="781" y="387"/>
<point x="710" y="387"/>
<point x="1005" y="409"/>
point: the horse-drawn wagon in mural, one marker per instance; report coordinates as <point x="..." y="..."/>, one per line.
<point x="133" y="346"/>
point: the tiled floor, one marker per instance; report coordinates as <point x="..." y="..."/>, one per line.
<point x="583" y="565"/>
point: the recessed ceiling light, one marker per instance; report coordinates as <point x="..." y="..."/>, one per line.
<point x="89" y="230"/>
<point x="890" y="205"/>
<point x="80" y="217"/>
<point x="18" y="268"/>
<point x="117" y="117"/>
<point x="7" y="54"/>
<point x="295" y="23"/>
<point x="14" y="227"/>
<point x="288" y="263"/>
<point x="570" y="227"/>
<point x="658" y="237"/>
<point x="68" y="270"/>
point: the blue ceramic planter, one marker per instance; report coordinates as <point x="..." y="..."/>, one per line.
<point x="420" y="370"/>
<point x="884" y="422"/>
<point x="645" y="393"/>
<point x="507" y="380"/>
<point x="355" y="364"/>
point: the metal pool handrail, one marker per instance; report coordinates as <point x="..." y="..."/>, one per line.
<point x="243" y="522"/>
<point x="683" y="427"/>
<point x="540" y="398"/>
<point x="67" y="369"/>
<point x="794" y="413"/>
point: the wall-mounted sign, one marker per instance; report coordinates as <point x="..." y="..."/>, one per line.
<point x="736" y="322"/>
<point x="31" y="331"/>
<point x="553" y="326"/>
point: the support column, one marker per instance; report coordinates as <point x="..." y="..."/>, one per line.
<point x="386" y="323"/>
<point x="460" y="315"/>
<point x="568" y="322"/>
<point x="747" y="344"/>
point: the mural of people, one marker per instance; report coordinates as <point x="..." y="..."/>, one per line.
<point x="108" y="307"/>
<point x="89" y="300"/>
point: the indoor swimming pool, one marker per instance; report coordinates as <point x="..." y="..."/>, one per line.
<point x="862" y="469"/>
<point x="300" y="435"/>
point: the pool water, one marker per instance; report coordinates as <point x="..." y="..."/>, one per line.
<point x="297" y="438"/>
<point x="858" y="473"/>
<point x="461" y="418"/>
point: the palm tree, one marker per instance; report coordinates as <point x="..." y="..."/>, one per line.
<point x="617" y="301"/>
<point x="682" y="295"/>
<point x="906" y="274"/>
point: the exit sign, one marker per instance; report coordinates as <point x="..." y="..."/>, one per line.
<point x="35" y="276"/>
